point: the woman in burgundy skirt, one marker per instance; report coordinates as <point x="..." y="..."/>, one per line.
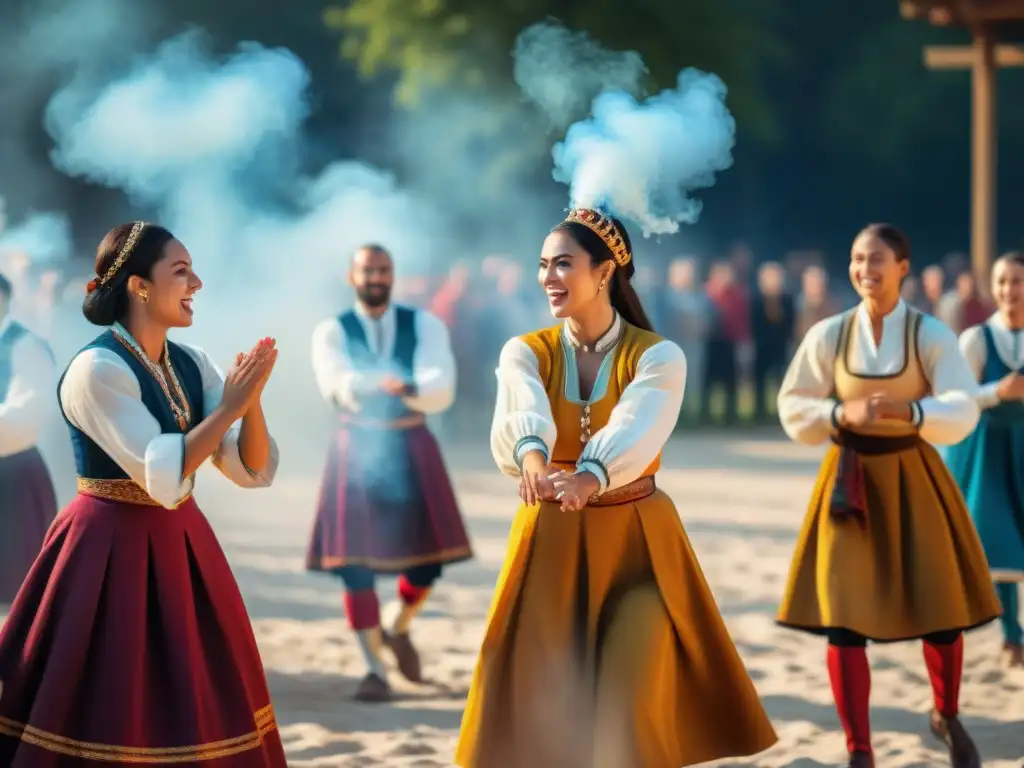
<point x="27" y="501"/>
<point x="128" y="641"/>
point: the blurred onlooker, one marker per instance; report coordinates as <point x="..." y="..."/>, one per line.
<point x="815" y="303"/>
<point x="772" y="319"/>
<point x="964" y="306"/>
<point x="933" y="282"/>
<point x="687" y="316"/>
<point x="730" y="327"/>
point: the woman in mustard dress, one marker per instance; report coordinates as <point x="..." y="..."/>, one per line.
<point x="887" y="551"/>
<point x="604" y="646"/>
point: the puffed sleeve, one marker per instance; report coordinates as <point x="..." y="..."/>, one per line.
<point x="227" y="458"/>
<point x="28" y="401"/>
<point x="338" y="381"/>
<point x="806" y="407"/>
<point x="433" y="370"/>
<point x="641" y="422"/>
<point x="950" y="413"/>
<point x="100" y="396"/>
<point x="975" y="351"/>
<point x="522" y="412"/>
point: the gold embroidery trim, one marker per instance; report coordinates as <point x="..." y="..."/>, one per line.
<point x="405" y="422"/>
<point x="264" y="719"/>
<point x="124" y="490"/>
<point x="180" y="407"/>
<point x="442" y="556"/>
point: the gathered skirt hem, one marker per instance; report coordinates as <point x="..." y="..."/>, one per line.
<point x="824" y="631"/>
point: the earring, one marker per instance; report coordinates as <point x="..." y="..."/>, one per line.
<point x="600" y="286"/>
<point x="143" y="296"/>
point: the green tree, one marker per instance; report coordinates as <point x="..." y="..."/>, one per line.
<point x="466" y="44"/>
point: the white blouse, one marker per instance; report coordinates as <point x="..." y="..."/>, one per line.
<point x="345" y="385"/>
<point x="100" y="395"/>
<point x="28" y="403"/>
<point x="1009" y="346"/>
<point x="638" y="428"/>
<point x="805" y="404"/>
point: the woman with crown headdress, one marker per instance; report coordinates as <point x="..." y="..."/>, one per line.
<point x="604" y="646"/>
<point x="128" y="641"/>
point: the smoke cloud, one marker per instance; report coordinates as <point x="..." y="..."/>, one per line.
<point x="636" y="159"/>
<point x="214" y="149"/>
<point x="562" y="71"/>
<point x="45" y="237"/>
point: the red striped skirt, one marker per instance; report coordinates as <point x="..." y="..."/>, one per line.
<point x="386" y="503"/>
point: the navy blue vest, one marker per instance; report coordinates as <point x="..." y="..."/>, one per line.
<point x="383" y="406"/>
<point x="14" y="333"/>
<point x="90" y="460"/>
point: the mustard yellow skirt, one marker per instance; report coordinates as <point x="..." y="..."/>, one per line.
<point x="604" y="647"/>
<point x="914" y="566"/>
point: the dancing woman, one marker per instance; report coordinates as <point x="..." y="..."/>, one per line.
<point x="604" y="645"/>
<point x="128" y="641"/>
<point x="989" y="464"/>
<point x="887" y="551"/>
<point x="27" y="500"/>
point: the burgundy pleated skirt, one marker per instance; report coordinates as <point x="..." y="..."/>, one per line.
<point x="27" y="507"/>
<point x="386" y="503"/>
<point x="129" y="644"/>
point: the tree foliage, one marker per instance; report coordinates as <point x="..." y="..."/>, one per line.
<point x="467" y="44"/>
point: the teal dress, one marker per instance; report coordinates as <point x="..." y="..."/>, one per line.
<point x="988" y="466"/>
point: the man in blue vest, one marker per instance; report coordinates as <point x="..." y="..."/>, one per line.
<point x="386" y="504"/>
<point x="27" y="393"/>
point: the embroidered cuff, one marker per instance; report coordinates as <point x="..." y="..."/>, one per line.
<point x="597" y="469"/>
<point x="525" y="445"/>
<point x="916" y="414"/>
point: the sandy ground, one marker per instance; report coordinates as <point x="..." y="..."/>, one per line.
<point x="741" y="501"/>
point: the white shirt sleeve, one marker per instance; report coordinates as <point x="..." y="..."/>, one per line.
<point x="522" y="412"/>
<point x="641" y="422"/>
<point x="433" y="370"/>
<point x="27" y="404"/>
<point x="340" y="384"/>
<point x="805" y="403"/>
<point x="975" y="351"/>
<point x="950" y="413"/>
<point x="100" y="395"/>
<point x="227" y="458"/>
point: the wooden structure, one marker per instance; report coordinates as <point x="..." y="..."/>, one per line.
<point x="992" y="24"/>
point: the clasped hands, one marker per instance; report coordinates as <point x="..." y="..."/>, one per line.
<point x="552" y="484"/>
<point x="864" y="411"/>
<point x="244" y="383"/>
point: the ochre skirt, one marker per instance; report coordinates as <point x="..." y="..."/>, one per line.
<point x="604" y="646"/>
<point x="386" y="503"/>
<point x="914" y="566"/>
<point x="129" y="643"/>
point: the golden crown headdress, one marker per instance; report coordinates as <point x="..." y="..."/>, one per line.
<point x="122" y="257"/>
<point x="605" y="228"/>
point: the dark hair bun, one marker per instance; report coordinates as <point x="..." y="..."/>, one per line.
<point x="105" y="305"/>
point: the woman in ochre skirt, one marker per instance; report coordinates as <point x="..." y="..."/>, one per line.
<point x="887" y="551"/>
<point x="604" y="646"/>
<point x="128" y="641"/>
<point x="989" y="464"/>
<point x="27" y="501"/>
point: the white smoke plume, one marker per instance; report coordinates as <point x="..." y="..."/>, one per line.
<point x="641" y="159"/>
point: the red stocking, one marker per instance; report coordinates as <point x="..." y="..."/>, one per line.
<point x="850" y="675"/>
<point x="945" y="667"/>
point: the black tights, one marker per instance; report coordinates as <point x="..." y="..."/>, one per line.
<point x="845" y="638"/>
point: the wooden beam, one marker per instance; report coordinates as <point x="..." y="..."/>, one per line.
<point x="983" y="155"/>
<point x="967" y="56"/>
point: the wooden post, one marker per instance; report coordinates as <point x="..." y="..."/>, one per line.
<point x="982" y="58"/>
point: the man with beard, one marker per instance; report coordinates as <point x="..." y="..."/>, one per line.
<point x="386" y="504"/>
